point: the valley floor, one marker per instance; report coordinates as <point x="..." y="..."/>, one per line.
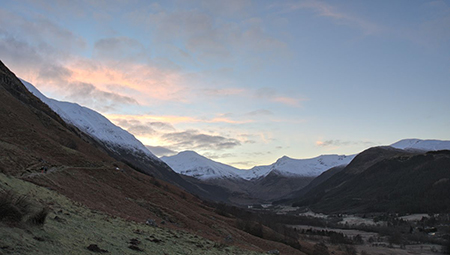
<point x="380" y="248"/>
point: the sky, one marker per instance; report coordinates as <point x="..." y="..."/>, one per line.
<point x="242" y="82"/>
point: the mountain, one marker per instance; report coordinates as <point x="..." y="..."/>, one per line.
<point x="93" y="124"/>
<point x="304" y="167"/>
<point x="424" y="145"/>
<point x="257" y="185"/>
<point x="192" y="164"/>
<point x="122" y="145"/>
<point x="86" y="186"/>
<point x="385" y="179"/>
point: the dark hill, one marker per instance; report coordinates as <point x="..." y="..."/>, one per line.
<point x="384" y="179"/>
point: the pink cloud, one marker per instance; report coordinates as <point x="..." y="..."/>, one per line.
<point x="173" y="119"/>
<point x="287" y="100"/>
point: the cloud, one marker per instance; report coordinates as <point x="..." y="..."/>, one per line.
<point x="339" y="143"/>
<point x="38" y="51"/>
<point x="141" y="130"/>
<point x="259" y="112"/>
<point x="144" y="128"/>
<point x="88" y="94"/>
<point x="120" y="49"/>
<point x="193" y="139"/>
<point x="161" y="126"/>
<point x="272" y="95"/>
<point x="221" y="92"/>
<point x="205" y="37"/>
<point x="326" y="10"/>
<point x="227" y="8"/>
<point x="173" y="119"/>
<point x="160" y="151"/>
<point x="40" y="31"/>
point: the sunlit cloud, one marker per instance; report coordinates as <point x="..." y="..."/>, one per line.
<point x="287" y="101"/>
<point x="149" y="81"/>
<point x="341" y="143"/>
<point x="272" y="95"/>
<point x="174" y="119"/>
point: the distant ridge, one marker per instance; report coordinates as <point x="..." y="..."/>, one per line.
<point x="425" y="145"/>
<point x="192" y="164"/>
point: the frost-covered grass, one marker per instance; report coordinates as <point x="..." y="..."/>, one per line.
<point x="70" y="228"/>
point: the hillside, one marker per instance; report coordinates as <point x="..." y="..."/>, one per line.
<point x="37" y="146"/>
<point x="385" y="179"/>
<point x="117" y="142"/>
<point x="71" y="229"/>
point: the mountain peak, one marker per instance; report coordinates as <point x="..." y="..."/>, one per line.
<point x="193" y="164"/>
<point x="189" y="153"/>
<point x="284" y="158"/>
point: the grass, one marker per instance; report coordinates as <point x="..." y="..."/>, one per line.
<point x="64" y="227"/>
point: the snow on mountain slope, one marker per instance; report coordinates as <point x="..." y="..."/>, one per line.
<point x="192" y="164"/>
<point x="93" y="124"/>
<point x="426" y="145"/>
<point x="305" y="167"/>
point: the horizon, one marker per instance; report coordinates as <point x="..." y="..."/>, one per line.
<point x="242" y="82"/>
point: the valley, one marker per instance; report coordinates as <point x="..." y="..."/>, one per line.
<point x="241" y="127"/>
<point x="372" y="233"/>
<point x="73" y="182"/>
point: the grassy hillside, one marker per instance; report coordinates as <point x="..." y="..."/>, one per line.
<point x="70" y="228"/>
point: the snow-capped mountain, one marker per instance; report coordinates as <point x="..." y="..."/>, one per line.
<point x="305" y="167"/>
<point x="93" y="124"/>
<point x="425" y="145"/>
<point x="192" y="164"/>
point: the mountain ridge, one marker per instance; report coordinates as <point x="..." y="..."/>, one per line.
<point x="195" y="165"/>
<point x="384" y="179"/>
<point x="92" y="123"/>
<point x="285" y="165"/>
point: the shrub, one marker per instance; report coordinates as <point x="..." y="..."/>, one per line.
<point x="38" y="218"/>
<point x="13" y="207"/>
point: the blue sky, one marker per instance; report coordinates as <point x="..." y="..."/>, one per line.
<point x="242" y="82"/>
